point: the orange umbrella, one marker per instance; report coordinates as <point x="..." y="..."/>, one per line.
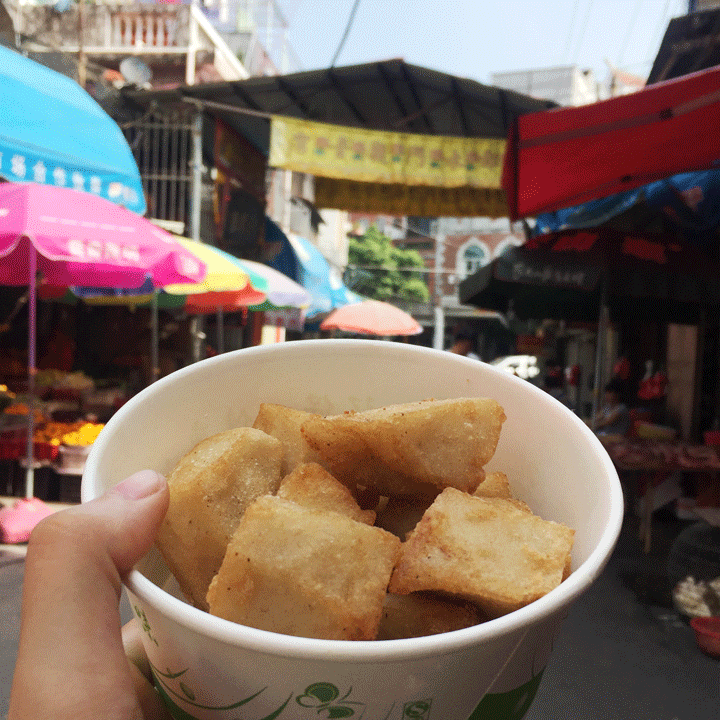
<point x="372" y="317"/>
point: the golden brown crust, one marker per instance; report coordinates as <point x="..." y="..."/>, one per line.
<point x="409" y="449"/>
<point x="210" y="487"/>
<point x="309" y="573"/>
<point x="486" y="550"/>
<point x="311" y="486"/>
<point x="284" y="424"/>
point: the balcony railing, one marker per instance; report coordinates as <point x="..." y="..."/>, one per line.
<point x="253" y="30"/>
<point x="118" y="29"/>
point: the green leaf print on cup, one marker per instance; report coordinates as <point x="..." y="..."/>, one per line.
<point x="418" y="710"/>
<point x="325" y="698"/>
<point x="144" y="624"/>
<point x="163" y="682"/>
<point x="510" y="705"/>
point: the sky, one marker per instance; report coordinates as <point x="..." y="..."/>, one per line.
<point x="476" y="38"/>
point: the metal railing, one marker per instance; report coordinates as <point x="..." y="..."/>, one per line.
<point x="254" y="29"/>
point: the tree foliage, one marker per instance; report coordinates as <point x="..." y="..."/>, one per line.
<point x="379" y="270"/>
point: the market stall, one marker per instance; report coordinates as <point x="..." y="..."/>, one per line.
<point x="644" y="464"/>
<point x="68" y="414"/>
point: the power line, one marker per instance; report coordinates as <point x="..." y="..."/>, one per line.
<point x="584" y="29"/>
<point x="346" y="33"/>
<point x="426" y="270"/>
<point x="566" y="54"/>
<point x="628" y="34"/>
<point x="661" y="26"/>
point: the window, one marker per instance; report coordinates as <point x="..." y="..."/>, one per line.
<point x="473" y="258"/>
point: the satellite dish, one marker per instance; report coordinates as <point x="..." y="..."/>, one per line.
<point x="135" y="71"/>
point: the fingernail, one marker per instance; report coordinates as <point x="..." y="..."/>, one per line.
<point x="140" y="485"/>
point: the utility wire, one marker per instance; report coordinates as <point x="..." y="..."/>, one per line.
<point x="661" y="28"/>
<point x="566" y="54"/>
<point x="346" y="33"/>
<point x="583" y="30"/>
<point x="628" y="34"/>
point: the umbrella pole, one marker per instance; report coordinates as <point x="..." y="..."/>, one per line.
<point x="220" y="329"/>
<point x="155" y="349"/>
<point x="32" y="370"/>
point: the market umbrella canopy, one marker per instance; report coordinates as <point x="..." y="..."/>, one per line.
<point x="75" y="238"/>
<point x="81" y="239"/>
<point x="372" y="317"/>
<point x="298" y="259"/>
<point x="52" y="132"/>
<point x="282" y="291"/>
<point x="227" y="282"/>
<point x="563" y="157"/>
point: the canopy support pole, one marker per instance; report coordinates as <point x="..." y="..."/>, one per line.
<point x="439" y="325"/>
<point x="155" y="350"/>
<point x="196" y="324"/>
<point x="220" y="323"/>
<point x="32" y="371"/>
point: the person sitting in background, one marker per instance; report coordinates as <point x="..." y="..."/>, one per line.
<point x="463" y="345"/>
<point x="613" y="418"/>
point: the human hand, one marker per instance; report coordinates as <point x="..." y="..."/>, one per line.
<point x="71" y="664"/>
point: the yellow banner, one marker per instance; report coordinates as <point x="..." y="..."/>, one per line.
<point x="407" y="200"/>
<point x="372" y="156"/>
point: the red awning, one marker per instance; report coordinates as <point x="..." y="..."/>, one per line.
<point x="564" y="157"/>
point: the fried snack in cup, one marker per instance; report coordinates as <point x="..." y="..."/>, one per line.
<point x="213" y="669"/>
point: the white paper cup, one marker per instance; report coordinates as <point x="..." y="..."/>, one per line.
<point x="209" y="668"/>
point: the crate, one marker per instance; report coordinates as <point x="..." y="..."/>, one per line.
<point x="707" y="634"/>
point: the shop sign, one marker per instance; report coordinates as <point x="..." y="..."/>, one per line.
<point x="549" y="274"/>
<point x="421" y="201"/>
<point x="373" y="156"/>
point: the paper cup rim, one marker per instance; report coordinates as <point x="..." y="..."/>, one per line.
<point x="277" y="644"/>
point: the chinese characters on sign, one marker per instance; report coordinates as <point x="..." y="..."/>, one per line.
<point x="18" y="167"/>
<point x="355" y="154"/>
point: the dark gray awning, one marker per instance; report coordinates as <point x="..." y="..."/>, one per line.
<point x="691" y="43"/>
<point x="389" y="95"/>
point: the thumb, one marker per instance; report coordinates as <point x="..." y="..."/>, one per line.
<point x="71" y="661"/>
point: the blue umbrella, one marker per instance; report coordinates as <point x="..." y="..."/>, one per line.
<point x="53" y="133"/>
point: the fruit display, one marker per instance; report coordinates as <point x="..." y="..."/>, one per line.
<point x="49" y="437"/>
<point x="84" y="435"/>
<point x="73" y="433"/>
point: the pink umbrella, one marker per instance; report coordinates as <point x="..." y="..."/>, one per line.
<point x="75" y="238"/>
<point x="372" y="317"/>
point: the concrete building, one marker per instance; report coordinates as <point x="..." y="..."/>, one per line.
<point x="565" y="84"/>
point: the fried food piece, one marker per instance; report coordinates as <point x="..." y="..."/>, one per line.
<point x="284" y="424"/>
<point x="209" y="490"/>
<point x="311" y="486"/>
<point x="495" y="484"/>
<point x="486" y="550"/>
<point x="425" y="613"/>
<point x="302" y="572"/>
<point x="411" y="448"/>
